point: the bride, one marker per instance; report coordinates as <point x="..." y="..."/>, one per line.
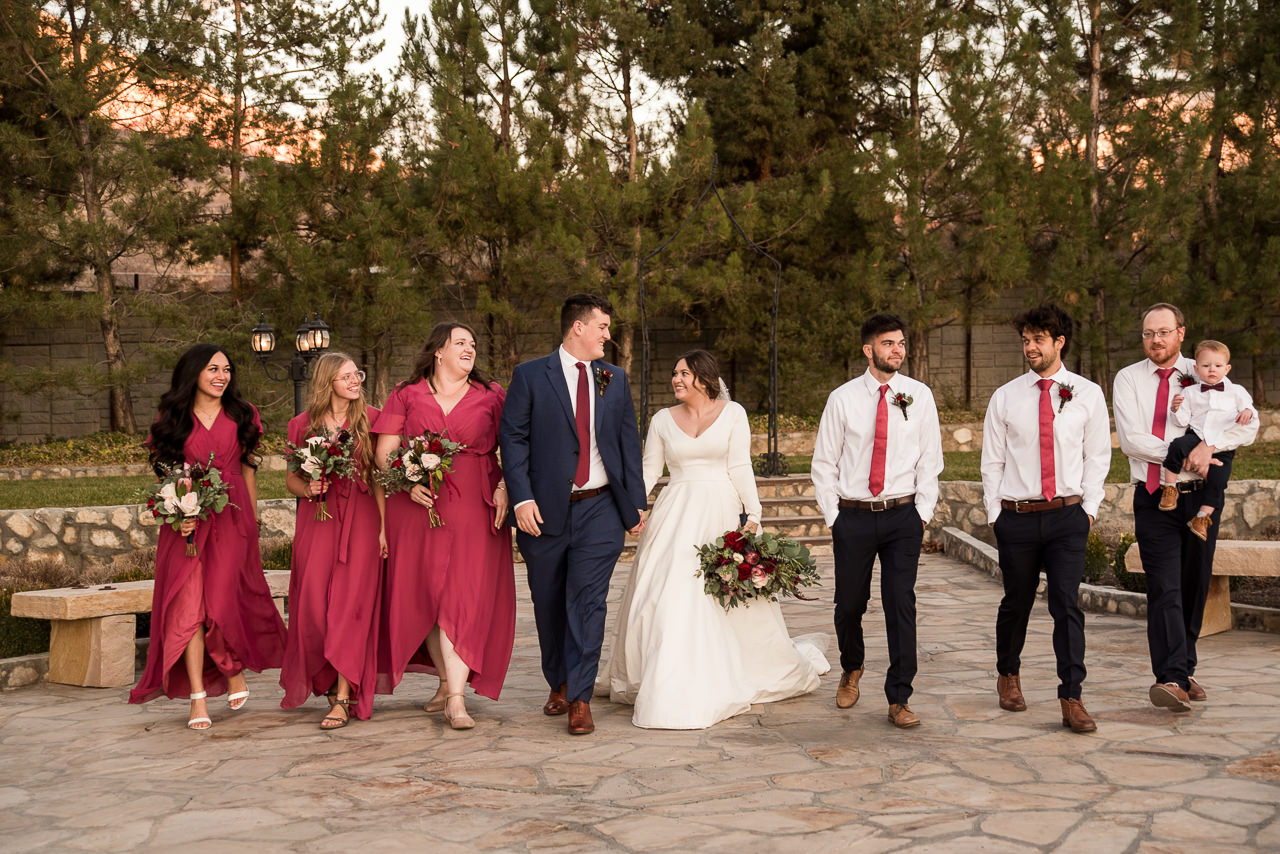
<point x="677" y="656"/>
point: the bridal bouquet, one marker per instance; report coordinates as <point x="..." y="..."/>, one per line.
<point x="185" y="492"/>
<point x="425" y="460"/>
<point x="324" y="454"/>
<point x="742" y="567"/>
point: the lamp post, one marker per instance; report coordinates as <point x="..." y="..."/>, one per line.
<point x="310" y="341"/>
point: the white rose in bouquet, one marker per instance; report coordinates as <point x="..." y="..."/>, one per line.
<point x="169" y="492"/>
<point x="189" y="504"/>
<point x="312" y="467"/>
<point x="413" y="473"/>
<point x="315" y="440"/>
<point x="431" y="462"/>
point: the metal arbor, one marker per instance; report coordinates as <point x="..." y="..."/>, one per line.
<point x="771" y="463"/>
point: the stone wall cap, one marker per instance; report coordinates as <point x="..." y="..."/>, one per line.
<point x="127" y="597"/>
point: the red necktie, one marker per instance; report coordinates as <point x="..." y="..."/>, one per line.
<point x="1048" y="482"/>
<point x="876" y="482"/>
<point x="582" y="417"/>
<point x="1157" y="425"/>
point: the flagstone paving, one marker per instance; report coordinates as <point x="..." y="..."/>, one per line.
<point x="84" y="771"/>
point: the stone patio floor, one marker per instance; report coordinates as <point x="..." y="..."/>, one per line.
<point x="84" y="771"/>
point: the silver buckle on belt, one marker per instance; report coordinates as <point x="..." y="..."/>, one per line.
<point x="882" y="502"/>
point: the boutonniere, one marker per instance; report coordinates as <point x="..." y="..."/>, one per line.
<point x="902" y="401"/>
<point x="1066" y="393"/>
<point x="1186" y="380"/>
<point x="603" y="378"/>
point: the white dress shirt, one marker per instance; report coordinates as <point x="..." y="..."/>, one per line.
<point x="597" y="476"/>
<point x="1134" y="402"/>
<point x="1011" y="442"/>
<point x="1212" y="413"/>
<point x="841" y="465"/>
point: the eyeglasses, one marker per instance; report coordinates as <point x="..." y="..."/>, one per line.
<point x="1148" y="334"/>
<point x="346" y="378"/>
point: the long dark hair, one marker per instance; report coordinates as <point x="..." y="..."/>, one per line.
<point x="424" y="368"/>
<point x="704" y="367"/>
<point x="175" y="419"/>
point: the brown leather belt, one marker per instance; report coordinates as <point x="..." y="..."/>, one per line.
<point x="1040" y="506"/>
<point x="1185" y="487"/>
<point x="584" y="494"/>
<point x="877" y="505"/>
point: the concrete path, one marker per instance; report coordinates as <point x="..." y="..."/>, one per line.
<point x="85" y="771"/>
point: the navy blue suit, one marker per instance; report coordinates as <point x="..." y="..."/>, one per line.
<point x="570" y="564"/>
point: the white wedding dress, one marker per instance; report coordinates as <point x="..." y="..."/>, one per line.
<point x="677" y="655"/>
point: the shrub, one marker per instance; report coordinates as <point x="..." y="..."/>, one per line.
<point x="1095" y="558"/>
<point x="1134" y="581"/>
<point x="19" y="635"/>
<point x="278" y="556"/>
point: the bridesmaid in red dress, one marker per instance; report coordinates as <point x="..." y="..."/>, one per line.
<point x="336" y="582"/>
<point x="449" y="605"/>
<point x="211" y="615"/>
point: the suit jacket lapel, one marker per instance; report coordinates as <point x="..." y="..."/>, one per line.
<point x="555" y="376"/>
<point x="600" y="398"/>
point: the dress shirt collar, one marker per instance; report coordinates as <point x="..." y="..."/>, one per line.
<point x="1150" y="367"/>
<point x="872" y="385"/>
<point x="569" y="361"/>
<point x="1059" y="376"/>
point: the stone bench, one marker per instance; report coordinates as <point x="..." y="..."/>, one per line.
<point x="92" y="629"/>
<point x="1232" y="557"/>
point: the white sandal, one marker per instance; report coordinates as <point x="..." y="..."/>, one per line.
<point x="242" y="696"/>
<point x="208" y="722"/>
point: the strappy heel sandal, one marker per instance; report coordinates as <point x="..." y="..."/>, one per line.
<point x="437" y="703"/>
<point x="338" y="722"/>
<point x="204" y="719"/>
<point x="237" y="700"/>
<point x="462" y="721"/>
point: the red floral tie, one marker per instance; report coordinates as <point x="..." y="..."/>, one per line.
<point x="1157" y="425"/>
<point x="582" y="417"/>
<point x="876" y="481"/>
<point x="1048" y="482"/>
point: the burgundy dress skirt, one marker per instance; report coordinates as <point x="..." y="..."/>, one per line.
<point x="459" y="575"/>
<point x="221" y="589"/>
<point x="334" y="592"/>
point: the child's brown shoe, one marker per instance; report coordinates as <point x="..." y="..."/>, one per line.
<point x="1200" y="527"/>
<point x="1168" y="497"/>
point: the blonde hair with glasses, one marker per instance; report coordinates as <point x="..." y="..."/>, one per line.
<point x="323" y="372"/>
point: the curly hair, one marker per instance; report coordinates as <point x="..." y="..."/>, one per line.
<point x="175" y="419"/>
<point x="424" y="368"/>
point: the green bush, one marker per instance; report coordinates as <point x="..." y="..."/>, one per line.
<point x="1134" y="581"/>
<point x="278" y="557"/>
<point x="19" y="635"/>
<point x="1095" y="558"/>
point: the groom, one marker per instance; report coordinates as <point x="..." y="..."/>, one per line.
<point x="571" y="460"/>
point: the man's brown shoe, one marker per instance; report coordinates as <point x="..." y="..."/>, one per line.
<point x="847" y="693"/>
<point x="1010" y="689"/>
<point x="1074" y="716"/>
<point x="1194" y="691"/>
<point x="1167" y="695"/>
<point x="1200" y="526"/>
<point x="580" y="722"/>
<point x="901" y="716"/>
<point x="556" y="703"/>
<point x="1168" y="497"/>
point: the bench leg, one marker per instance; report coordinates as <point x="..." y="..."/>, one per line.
<point x="95" y="652"/>
<point x="1217" y="606"/>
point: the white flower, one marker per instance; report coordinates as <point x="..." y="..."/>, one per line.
<point x="170" y="505"/>
<point x="189" y="504"/>
<point x="168" y="492"/>
<point x="430" y="462"/>
<point x="412" y="473"/>
<point x="311" y="466"/>
<point x="316" y="440"/>
<point x="738" y="557"/>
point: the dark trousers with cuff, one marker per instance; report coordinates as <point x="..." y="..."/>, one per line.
<point x="1215" y="482"/>
<point x="1055" y="540"/>
<point x="858" y="538"/>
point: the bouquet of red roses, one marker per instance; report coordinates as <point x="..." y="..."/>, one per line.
<point x="741" y="567"/>
<point x="324" y="454"/>
<point x="425" y="460"/>
<point x="185" y="492"/>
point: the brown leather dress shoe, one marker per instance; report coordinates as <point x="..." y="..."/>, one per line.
<point x="580" y="722"/>
<point x="1194" y="691"/>
<point x="1200" y="526"/>
<point x="1010" y="690"/>
<point x="556" y="703"/>
<point x="847" y="693"/>
<point x="901" y="716"/>
<point x="1075" y="716"/>
<point x="1168" y="695"/>
<point x="1168" y="497"/>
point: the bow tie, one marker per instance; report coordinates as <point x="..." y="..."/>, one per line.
<point x="1214" y="387"/>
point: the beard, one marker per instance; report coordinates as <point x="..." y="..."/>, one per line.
<point x="884" y="366"/>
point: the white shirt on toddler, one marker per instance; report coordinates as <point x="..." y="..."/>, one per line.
<point x="1212" y="413"/>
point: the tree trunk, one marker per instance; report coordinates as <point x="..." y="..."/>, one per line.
<point x="381" y="368"/>
<point x="1100" y="366"/>
<point x="237" y="128"/>
<point x="121" y="404"/>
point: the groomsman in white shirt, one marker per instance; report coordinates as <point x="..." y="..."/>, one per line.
<point x="876" y="462"/>
<point x="1177" y="564"/>
<point x="1046" y="451"/>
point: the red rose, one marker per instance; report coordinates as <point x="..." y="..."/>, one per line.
<point x="435" y="447"/>
<point x="206" y="483"/>
<point x="744" y="572"/>
<point x="735" y="540"/>
<point x="397" y="463"/>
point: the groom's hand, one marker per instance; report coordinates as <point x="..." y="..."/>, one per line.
<point x="528" y="518"/>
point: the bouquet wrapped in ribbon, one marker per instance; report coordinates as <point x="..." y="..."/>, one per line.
<point x="187" y="492"/>
<point x="324" y="454"/>
<point x="741" y="567"/>
<point x="425" y="460"/>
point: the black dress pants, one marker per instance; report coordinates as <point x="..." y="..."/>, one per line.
<point x="1054" y="540"/>
<point x="858" y="537"/>
<point x="1215" y="482"/>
